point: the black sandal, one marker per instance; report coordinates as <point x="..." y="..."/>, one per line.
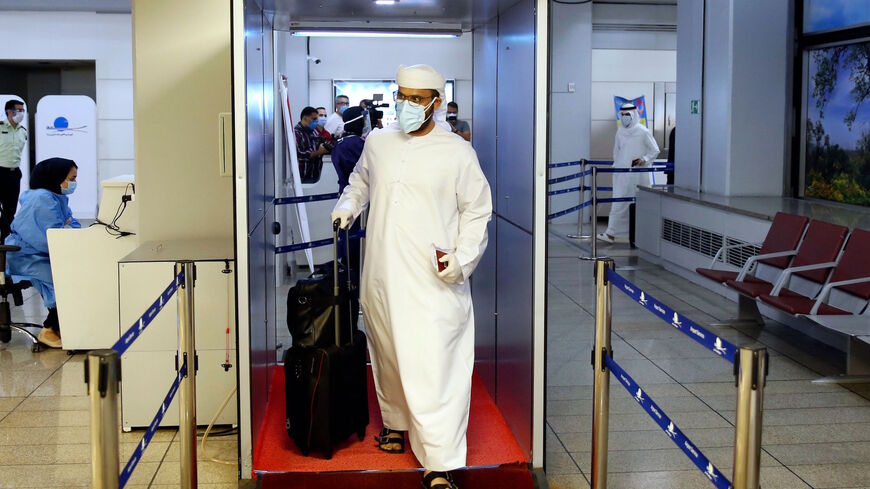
<point x="391" y="437"/>
<point x="427" y="481"/>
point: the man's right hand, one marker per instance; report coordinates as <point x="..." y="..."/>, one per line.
<point x="343" y="216"/>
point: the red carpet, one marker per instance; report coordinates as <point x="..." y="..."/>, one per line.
<point x="494" y="457"/>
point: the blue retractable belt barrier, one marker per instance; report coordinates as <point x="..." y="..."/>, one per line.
<point x="314" y="244"/>
<point x="305" y="198"/>
<point x="152" y="428"/>
<point x="675" y="434"/>
<point x="567" y="163"/>
<point x="139" y="326"/>
<point x="690" y="328"/>
<point x="576" y="189"/>
<point x="654" y="169"/>
<point x="572" y="176"/>
<point x="599" y="162"/>
<point x="569" y="210"/>
<point x="563" y="191"/>
<point x="611" y="200"/>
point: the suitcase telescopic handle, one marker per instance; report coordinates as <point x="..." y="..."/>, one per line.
<point x="335" y="291"/>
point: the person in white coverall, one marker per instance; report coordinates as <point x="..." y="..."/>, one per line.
<point x="425" y="190"/>
<point x="634" y="147"/>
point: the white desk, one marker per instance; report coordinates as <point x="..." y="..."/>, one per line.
<point x="148" y="367"/>
<point x="84" y="265"/>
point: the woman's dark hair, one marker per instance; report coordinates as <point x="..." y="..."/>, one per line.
<point x="49" y="174"/>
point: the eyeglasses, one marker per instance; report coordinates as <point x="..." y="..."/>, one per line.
<point x="416" y="99"/>
<point x="20" y="111"/>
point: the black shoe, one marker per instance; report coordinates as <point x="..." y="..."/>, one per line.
<point x="427" y="481"/>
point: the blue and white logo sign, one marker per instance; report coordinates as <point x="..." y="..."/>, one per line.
<point x="61" y="127"/>
<point x="66" y="127"/>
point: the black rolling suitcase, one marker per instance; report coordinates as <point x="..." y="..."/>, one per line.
<point x="326" y="386"/>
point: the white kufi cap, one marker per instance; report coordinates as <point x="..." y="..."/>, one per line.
<point x="420" y="77"/>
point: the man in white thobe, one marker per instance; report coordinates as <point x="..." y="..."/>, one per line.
<point x="425" y="191"/>
<point x="633" y="147"/>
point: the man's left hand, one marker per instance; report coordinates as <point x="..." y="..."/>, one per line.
<point x="453" y="273"/>
<point x="637" y="162"/>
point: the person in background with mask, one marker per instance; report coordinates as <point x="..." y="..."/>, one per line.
<point x="13" y="136"/>
<point x="459" y="126"/>
<point x="309" y="146"/>
<point x="634" y="146"/>
<point x="45" y="206"/>
<point x="334" y="123"/>
<point x="321" y="125"/>
<point x="429" y="204"/>
<point x="345" y="155"/>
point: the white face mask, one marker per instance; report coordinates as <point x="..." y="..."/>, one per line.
<point x="412" y="116"/>
<point x="18" y="117"/>
<point x="626" y="120"/>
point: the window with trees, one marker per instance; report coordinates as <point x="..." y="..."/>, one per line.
<point x="836" y="102"/>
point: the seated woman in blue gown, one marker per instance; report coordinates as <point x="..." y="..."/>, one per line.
<point x="45" y="206"/>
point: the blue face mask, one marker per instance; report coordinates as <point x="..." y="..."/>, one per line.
<point x="313" y="124"/>
<point x="70" y="189"/>
<point x="342" y="109"/>
<point x="412" y="116"/>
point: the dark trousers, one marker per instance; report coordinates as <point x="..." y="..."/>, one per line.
<point x="10" y="184"/>
<point x="52" y="321"/>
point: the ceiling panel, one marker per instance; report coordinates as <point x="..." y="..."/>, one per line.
<point x="416" y="13"/>
<point x="104" y="6"/>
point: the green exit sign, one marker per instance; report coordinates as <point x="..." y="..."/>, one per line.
<point x="694" y="107"/>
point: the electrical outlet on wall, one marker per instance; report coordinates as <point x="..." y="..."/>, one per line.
<point x="571" y="87"/>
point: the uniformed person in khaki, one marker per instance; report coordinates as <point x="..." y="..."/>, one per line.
<point x="13" y="135"/>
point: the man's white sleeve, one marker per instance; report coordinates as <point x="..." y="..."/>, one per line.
<point x="474" y="202"/>
<point x="355" y="196"/>
<point x="652" y="148"/>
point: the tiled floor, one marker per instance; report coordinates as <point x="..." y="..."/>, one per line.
<point x="44" y="425"/>
<point x="814" y="435"/>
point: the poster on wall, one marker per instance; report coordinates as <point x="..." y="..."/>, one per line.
<point x="25" y="152"/>
<point x="638" y="102"/>
<point x="290" y="137"/>
<point x="66" y="127"/>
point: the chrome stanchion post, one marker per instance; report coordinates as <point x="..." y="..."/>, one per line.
<point x="102" y="375"/>
<point x="187" y="387"/>
<point x="601" y="396"/>
<point x="580" y="234"/>
<point x="751" y="370"/>
<point x="594" y="216"/>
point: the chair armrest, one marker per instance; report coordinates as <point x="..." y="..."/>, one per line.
<point x="729" y="247"/>
<point x="752" y="259"/>
<point x="826" y="291"/>
<point x="786" y="274"/>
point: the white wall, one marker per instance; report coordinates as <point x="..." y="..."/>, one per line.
<point x="614" y="27"/>
<point x="760" y="97"/>
<point x="690" y="81"/>
<point x="716" y="148"/>
<point x="105" y="38"/>
<point x="179" y="188"/>
<point x="378" y="59"/>
<point x="629" y="74"/>
<point x="571" y="63"/>
<point x="739" y="52"/>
